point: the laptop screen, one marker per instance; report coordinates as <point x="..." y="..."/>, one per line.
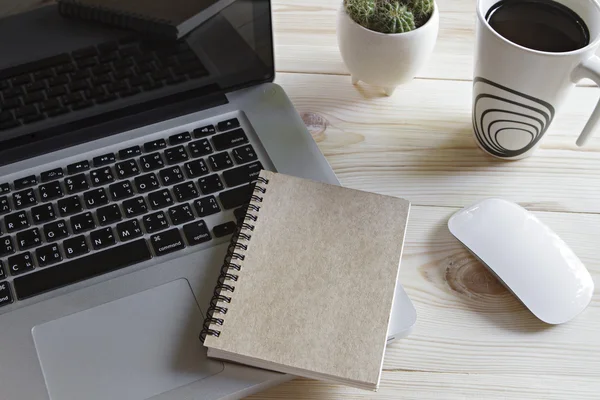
<point x="78" y="65"/>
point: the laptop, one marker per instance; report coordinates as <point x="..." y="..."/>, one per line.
<point x="125" y="163"/>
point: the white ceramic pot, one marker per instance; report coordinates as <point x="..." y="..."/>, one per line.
<point x="385" y="60"/>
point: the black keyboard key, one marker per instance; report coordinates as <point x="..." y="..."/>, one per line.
<point x="127" y="169"/>
<point x="76" y="183"/>
<point x="103" y="160"/>
<point x="176" y="155"/>
<point x="16" y="221"/>
<point x="50" y="105"/>
<point x="116" y="87"/>
<point x="82" y="223"/>
<point x="109" y="215"/>
<point x="210" y="184"/>
<point x="45" y="73"/>
<point x="81" y="269"/>
<point x="108" y="47"/>
<point x="200" y="148"/>
<point x="196" y="233"/>
<point x="167" y="242"/>
<point x="12" y="92"/>
<point x="134" y="207"/>
<point x="204" y="131"/>
<point x="102" y="71"/>
<point x="52" y="174"/>
<point x="95" y="93"/>
<point x="6" y="116"/>
<point x="206" y="206"/>
<point x="80" y="74"/>
<point x="150" y="162"/>
<point x="123" y="63"/>
<point x="75" y="246"/>
<point x="9" y="104"/>
<point x="129" y="92"/>
<point x="58" y="80"/>
<point x="225" y="229"/>
<point x="2" y="273"/>
<point x="70" y="205"/>
<point x="152" y="86"/>
<point x="55" y="231"/>
<point x="83" y="53"/>
<point x="102" y="176"/>
<point x="4" y="188"/>
<point x="20" y="264"/>
<point x="229" y="124"/>
<point x="63" y="69"/>
<point x="171" y="175"/>
<point x="56" y="91"/>
<point x="155" y="222"/>
<point x="95" y="198"/>
<point x="24" y="198"/>
<point x="80" y="105"/>
<point x="179" y="138"/>
<point x="42" y="214"/>
<point x="72" y="98"/>
<point x="87" y="62"/>
<point x="48" y="255"/>
<point x="102" y="238"/>
<point x="173" y="80"/>
<point x="106" y="98"/>
<point x="108" y="57"/>
<point x="244" y="154"/>
<point x="29" y="238"/>
<point x="155" y="145"/>
<point x="21" y="80"/>
<point x="6" y="246"/>
<point x="78" y="167"/>
<point x="129" y="230"/>
<point x="160" y="199"/>
<point x="4" y="205"/>
<point x="185" y="191"/>
<point x="121" y="190"/>
<point x="158" y="75"/>
<point x="5" y="294"/>
<point x="130" y="152"/>
<point x="101" y="79"/>
<point x="229" y="139"/>
<point x="35" y="87"/>
<point x="50" y="191"/>
<point x="33" y="118"/>
<point x="181" y="214"/>
<point x="25" y="182"/>
<point x="220" y="161"/>
<point x="139" y="80"/>
<point x="236" y="197"/>
<point x="78" y="86"/>
<point x="34" y="98"/>
<point x="244" y="174"/>
<point x="146" y="183"/>
<point x="144" y="68"/>
<point x="196" y="168"/>
<point x="57" y="112"/>
<point x="9" y="125"/>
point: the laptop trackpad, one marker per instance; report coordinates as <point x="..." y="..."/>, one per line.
<point x="133" y="348"/>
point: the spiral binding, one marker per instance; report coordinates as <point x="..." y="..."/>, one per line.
<point x="233" y="263"/>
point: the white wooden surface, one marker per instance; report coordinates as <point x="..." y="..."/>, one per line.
<point x="473" y="340"/>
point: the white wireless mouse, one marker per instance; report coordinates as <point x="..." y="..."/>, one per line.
<point x="530" y="259"/>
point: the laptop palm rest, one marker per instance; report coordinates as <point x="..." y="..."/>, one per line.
<point x="133" y="348"/>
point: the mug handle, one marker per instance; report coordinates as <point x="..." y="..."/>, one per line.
<point x="589" y="68"/>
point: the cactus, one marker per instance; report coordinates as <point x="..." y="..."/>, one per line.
<point x="390" y="16"/>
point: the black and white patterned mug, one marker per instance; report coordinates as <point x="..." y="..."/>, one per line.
<point x="517" y="90"/>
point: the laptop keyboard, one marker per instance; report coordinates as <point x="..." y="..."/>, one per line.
<point x="67" y="83"/>
<point x="118" y="209"/>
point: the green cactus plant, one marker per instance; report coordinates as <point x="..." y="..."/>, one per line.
<point x="390" y="16"/>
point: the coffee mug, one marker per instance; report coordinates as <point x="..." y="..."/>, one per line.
<point x="517" y="91"/>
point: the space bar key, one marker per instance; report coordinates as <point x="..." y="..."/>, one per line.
<point x="81" y="269"/>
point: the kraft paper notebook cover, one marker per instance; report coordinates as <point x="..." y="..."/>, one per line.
<point x="308" y="284"/>
<point x="168" y="18"/>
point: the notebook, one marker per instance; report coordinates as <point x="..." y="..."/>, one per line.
<point x="167" y="18"/>
<point x="309" y="280"/>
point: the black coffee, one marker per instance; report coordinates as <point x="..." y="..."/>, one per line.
<point x="543" y="25"/>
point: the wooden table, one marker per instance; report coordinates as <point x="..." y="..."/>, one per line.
<point x="473" y="339"/>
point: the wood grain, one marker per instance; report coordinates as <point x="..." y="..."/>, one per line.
<point x="473" y="339"/>
<point x="427" y="154"/>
